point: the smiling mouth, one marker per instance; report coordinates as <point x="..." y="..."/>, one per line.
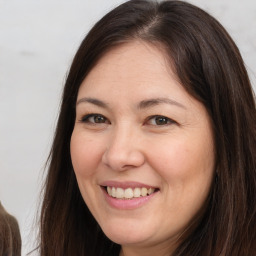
<point x="129" y="193"/>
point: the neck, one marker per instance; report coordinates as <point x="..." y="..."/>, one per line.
<point x="167" y="250"/>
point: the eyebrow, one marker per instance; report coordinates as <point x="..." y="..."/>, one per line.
<point x="141" y="105"/>
<point x="93" y="101"/>
<point x="156" y="101"/>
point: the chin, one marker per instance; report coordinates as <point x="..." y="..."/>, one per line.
<point x="124" y="239"/>
<point x="125" y="234"/>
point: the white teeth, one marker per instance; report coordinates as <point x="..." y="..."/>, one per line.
<point x="136" y="192"/>
<point x="119" y="193"/>
<point x="150" y="191"/>
<point x="129" y="193"/>
<point x="144" y="191"/>
<point x="113" y="192"/>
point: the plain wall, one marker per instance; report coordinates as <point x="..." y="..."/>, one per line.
<point x="37" y="42"/>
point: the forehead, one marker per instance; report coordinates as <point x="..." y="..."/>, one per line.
<point x="134" y="63"/>
<point x="139" y="52"/>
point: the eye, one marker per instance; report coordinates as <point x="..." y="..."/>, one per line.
<point x="160" y="120"/>
<point x="94" y="119"/>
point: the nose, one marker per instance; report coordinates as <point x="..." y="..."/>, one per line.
<point x="124" y="151"/>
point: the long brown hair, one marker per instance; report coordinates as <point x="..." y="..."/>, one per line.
<point x="209" y="66"/>
<point x="10" y="239"/>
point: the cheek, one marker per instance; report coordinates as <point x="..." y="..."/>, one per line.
<point x="85" y="154"/>
<point x="186" y="168"/>
<point x="186" y="155"/>
<point x="187" y="175"/>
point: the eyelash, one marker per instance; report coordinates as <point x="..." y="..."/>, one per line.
<point x="85" y="119"/>
<point x="168" y="121"/>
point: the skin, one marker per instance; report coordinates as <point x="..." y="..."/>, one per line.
<point x="128" y="143"/>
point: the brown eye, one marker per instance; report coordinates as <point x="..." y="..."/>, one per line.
<point x="160" y="120"/>
<point x="99" y="119"/>
<point x="94" y="119"/>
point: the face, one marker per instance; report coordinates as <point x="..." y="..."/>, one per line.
<point x="142" y="149"/>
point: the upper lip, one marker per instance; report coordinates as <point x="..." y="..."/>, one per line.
<point x="125" y="184"/>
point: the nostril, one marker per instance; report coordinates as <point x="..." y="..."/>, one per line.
<point x="123" y="159"/>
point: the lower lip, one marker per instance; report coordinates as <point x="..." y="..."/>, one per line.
<point x="127" y="204"/>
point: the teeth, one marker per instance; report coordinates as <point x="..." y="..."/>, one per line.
<point x="136" y="192"/>
<point x="129" y="193"/>
<point x="150" y="191"/>
<point x="119" y="193"/>
<point x="144" y="191"/>
<point x="113" y="192"/>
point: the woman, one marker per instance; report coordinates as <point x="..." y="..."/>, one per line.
<point x="154" y="151"/>
<point x="10" y="240"/>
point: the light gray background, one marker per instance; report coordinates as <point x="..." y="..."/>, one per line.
<point x="38" y="39"/>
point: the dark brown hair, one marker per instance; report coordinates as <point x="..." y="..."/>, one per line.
<point x="209" y="66"/>
<point x="10" y="239"/>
